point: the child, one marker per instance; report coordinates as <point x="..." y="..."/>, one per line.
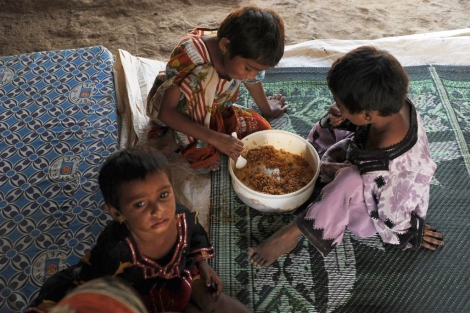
<point x="154" y="244"/>
<point x="192" y="105"/>
<point x="376" y="163"/>
<point x="89" y="297"/>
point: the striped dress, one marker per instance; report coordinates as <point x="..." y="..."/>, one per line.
<point x="206" y="99"/>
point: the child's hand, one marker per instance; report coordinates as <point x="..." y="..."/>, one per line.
<point x="277" y="105"/>
<point x="228" y="145"/>
<point x="271" y="106"/>
<point x="335" y="115"/>
<point x="210" y="277"/>
<point x="432" y="239"/>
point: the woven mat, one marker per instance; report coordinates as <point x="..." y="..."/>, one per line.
<point x="360" y="275"/>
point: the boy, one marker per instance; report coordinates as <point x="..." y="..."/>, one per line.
<point x="376" y="163"/>
<point x="155" y="245"/>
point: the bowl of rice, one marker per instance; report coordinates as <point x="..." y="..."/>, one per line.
<point x="280" y="174"/>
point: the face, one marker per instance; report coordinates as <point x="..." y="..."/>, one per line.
<point x="358" y="119"/>
<point x="243" y="69"/>
<point x="147" y="206"/>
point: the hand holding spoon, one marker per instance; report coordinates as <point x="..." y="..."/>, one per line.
<point x="241" y="161"/>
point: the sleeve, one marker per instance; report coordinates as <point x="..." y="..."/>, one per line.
<point x="177" y="69"/>
<point x="413" y="238"/>
<point x="200" y="246"/>
<point x="402" y="206"/>
<point x="322" y="135"/>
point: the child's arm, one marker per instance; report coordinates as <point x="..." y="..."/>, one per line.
<point x="335" y="116"/>
<point x="272" y="107"/>
<point x="210" y="277"/>
<point x="174" y="119"/>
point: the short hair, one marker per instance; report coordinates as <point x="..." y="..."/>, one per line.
<point x="129" y="164"/>
<point x="255" y="34"/>
<point x="369" y="79"/>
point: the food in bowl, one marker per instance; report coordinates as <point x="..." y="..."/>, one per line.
<point x="274" y="171"/>
<point x="280" y="140"/>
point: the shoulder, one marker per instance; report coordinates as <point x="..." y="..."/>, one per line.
<point x="190" y="216"/>
<point x="182" y="209"/>
<point x="191" y="50"/>
<point x="111" y="242"/>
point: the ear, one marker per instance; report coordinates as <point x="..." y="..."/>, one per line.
<point x="115" y="213"/>
<point x="223" y="45"/>
<point x="367" y="115"/>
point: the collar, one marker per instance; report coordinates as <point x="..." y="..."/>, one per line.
<point x="378" y="160"/>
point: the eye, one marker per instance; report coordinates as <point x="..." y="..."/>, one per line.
<point x="139" y="204"/>
<point x="164" y="194"/>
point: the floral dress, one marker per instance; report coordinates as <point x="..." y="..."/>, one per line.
<point x="206" y="99"/>
<point x="164" y="285"/>
<point x="382" y="191"/>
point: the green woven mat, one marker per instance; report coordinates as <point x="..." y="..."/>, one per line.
<point x="360" y="275"/>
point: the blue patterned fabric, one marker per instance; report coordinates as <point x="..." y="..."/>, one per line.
<point x="58" y="122"/>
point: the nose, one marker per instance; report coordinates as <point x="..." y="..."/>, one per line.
<point x="154" y="209"/>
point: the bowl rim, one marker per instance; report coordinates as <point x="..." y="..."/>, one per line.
<point x="265" y="195"/>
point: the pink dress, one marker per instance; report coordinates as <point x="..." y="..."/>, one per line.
<point x="383" y="191"/>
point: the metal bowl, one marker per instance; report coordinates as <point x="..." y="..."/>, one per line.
<point x="292" y="143"/>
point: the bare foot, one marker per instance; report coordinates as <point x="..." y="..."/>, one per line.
<point x="282" y="242"/>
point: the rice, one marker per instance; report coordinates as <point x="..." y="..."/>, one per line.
<point x="274" y="172"/>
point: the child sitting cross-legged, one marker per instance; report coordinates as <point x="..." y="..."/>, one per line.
<point x="154" y="244"/>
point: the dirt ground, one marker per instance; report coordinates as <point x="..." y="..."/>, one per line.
<point x="151" y="28"/>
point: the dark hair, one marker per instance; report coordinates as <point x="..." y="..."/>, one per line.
<point x="369" y="79"/>
<point x="255" y="34"/>
<point x="127" y="165"/>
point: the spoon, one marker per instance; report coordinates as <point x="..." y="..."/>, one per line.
<point x="241" y="161"/>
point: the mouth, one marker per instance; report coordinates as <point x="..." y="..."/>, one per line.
<point x="160" y="224"/>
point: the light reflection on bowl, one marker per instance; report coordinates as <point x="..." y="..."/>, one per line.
<point x="292" y="143"/>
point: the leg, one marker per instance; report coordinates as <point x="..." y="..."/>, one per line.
<point x="282" y="242"/>
<point x="201" y="295"/>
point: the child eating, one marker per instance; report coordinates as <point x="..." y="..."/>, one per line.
<point x="192" y="105"/>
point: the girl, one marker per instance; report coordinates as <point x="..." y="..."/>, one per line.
<point x="376" y="163"/>
<point x="155" y="245"/>
<point x="192" y="104"/>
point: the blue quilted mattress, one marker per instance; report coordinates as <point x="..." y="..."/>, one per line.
<point x="58" y="122"/>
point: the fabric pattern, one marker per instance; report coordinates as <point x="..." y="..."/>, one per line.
<point x="359" y="275"/>
<point x="58" y="122"/>
<point x="206" y="99"/>
<point x="395" y="184"/>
